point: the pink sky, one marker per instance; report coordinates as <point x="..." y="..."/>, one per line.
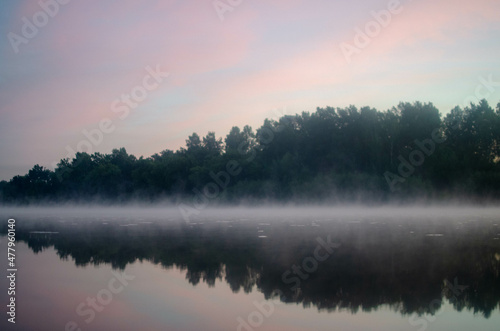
<point x="262" y="56"/>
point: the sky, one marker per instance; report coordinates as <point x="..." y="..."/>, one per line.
<point x="101" y="74"/>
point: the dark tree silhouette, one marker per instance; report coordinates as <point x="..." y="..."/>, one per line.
<point x="332" y="154"/>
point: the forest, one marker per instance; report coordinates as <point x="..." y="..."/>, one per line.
<point x="332" y="155"/>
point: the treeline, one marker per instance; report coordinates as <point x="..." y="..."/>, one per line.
<point x="333" y="154"/>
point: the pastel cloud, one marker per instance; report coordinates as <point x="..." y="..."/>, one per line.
<point x="262" y="56"/>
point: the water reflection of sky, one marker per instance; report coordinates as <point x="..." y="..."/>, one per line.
<point x="49" y="290"/>
<point x="210" y="273"/>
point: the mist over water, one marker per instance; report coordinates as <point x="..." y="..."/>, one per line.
<point x="417" y="264"/>
<point x="174" y="213"/>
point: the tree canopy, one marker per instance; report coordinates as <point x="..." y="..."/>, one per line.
<point x="332" y="154"/>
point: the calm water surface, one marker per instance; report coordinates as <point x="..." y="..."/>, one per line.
<point x="243" y="269"/>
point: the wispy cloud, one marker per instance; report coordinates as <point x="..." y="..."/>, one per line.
<point x="264" y="55"/>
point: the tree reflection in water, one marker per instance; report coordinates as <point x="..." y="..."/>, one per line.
<point x="403" y="264"/>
